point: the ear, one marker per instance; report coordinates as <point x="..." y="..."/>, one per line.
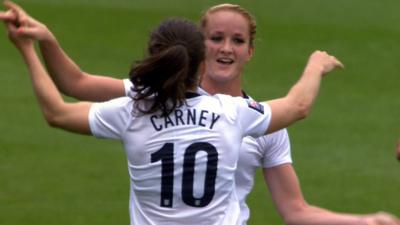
<point x="250" y="53"/>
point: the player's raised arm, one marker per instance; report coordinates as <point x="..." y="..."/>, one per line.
<point x="67" y="75"/>
<point x="71" y="117"/>
<point x="297" y="103"/>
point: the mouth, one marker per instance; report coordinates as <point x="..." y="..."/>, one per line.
<point x="225" y="61"/>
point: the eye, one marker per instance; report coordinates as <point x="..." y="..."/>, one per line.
<point x="216" y="38"/>
<point x="239" y="40"/>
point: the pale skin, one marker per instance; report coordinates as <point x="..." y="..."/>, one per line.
<point x="282" y="180"/>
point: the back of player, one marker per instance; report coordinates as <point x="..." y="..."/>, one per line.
<point x="182" y="165"/>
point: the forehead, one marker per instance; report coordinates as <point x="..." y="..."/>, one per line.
<point x="228" y="22"/>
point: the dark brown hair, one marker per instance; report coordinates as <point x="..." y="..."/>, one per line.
<point x="176" y="49"/>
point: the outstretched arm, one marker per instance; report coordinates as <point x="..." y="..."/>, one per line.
<point x="296" y="105"/>
<point x="66" y="74"/>
<point x="72" y="80"/>
<point x="71" y="117"/>
<point x="286" y="194"/>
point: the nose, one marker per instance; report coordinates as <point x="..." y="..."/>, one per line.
<point x="226" y="47"/>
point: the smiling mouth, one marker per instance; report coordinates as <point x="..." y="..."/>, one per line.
<point x="225" y="61"/>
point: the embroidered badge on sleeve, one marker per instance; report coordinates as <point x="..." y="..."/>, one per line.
<point x="255" y="105"/>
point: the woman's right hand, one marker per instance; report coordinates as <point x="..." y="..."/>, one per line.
<point x="25" y="25"/>
<point x="322" y="62"/>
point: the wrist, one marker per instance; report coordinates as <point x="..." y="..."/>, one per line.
<point x="48" y="43"/>
<point x="366" y="220"/>
<point x="47" y="38"/>
<point x="314" y="69"/>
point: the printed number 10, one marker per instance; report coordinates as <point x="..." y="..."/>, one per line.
<point x="166" y="155"/>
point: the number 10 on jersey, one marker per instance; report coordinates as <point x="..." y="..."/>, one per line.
<point x="166" y="156"/>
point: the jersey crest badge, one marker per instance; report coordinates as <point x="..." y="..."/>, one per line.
<point x="255" y="105"/>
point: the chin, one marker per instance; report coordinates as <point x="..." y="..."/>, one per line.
<point x="223" y="77"/>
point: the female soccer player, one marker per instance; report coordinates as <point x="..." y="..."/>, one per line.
<point x="271" y="151"/>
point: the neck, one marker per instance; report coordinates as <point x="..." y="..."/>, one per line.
<point x="213" y="87"/>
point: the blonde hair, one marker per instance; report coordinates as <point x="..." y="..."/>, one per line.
<point x="234" y="8"/>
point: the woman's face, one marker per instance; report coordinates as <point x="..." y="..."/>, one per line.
<point x="227" y="40"/>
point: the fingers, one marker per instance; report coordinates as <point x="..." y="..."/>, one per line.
<point x="21" y="16"/>
<point x="28" y="32"/>
<point x="325" y="62"/>
<point x="337" y="62"/>
<point x="330" y="59"/>
<point x="8" y="16"/>
<point x="12" y="5"/>
<point x="11" y="28"/>
<point x="12" y="31"/>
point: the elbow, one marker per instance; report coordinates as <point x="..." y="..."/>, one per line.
<point x="52" y="119"/>
<point x="299" y="112"/>
<point x="303" y="111"/>
<point x="299" y="108"/>
<point x="293" y="217"/>
<point x="299" y="213"/>
<point x="70" y="92"/>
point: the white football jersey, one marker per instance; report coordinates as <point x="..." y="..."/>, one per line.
<point x="264" y="152"/>
<point x="182" y="167"/>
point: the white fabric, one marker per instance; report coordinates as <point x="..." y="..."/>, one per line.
<point x="128" y="85"/>
<point x="264" y="152"/>
<point x="211" y="142"/>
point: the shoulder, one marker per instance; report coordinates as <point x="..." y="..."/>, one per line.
<point x="117" y="102"/>
<point x="109" y="119"/>
<point x="240" y="102"/>
<point x="278" y="138"/>
<point x="117" y="105"/>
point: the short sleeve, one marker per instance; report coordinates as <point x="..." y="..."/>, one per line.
<point x="110" y="119"/>
<point x="128" y="86"/>
<point x="253" y="116"/>
<point x="275" y="148"/>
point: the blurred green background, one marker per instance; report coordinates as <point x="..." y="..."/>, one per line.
<point x="343" y="153"/>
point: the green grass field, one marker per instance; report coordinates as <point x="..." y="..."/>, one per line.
<point x="343" y="153"/>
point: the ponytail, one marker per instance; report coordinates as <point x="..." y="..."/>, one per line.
<point x="176" y="49"/>
<point x="162" y="76"/>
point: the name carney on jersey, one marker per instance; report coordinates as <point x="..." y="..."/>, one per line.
<point x="189" y="116"/>
<point x="193" y="116"/>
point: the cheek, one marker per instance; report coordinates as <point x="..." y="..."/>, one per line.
<point x="245" y="55"/>
<point x="211" y="48"/>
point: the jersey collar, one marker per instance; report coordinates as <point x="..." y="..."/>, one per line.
<point x="191" y="94"/>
